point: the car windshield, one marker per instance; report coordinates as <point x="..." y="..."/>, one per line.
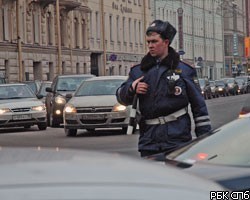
<point x="212" y="84"/>
<point x="228" y="145"/>
<point x="42" y="90"/>
<point x="99" y="87"/>
<point x="33" y="85"/>
<point x="201" y="82"/>
<point x="69" y="83"/>
<point x="220" y="83"/>
<point x="16" y="92"/>
<point x="239" y="80"/>
<point x="230" y="80"/>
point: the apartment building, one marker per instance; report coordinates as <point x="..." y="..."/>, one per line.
<point x="42" y="38"/>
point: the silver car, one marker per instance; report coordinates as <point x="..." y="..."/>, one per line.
<point x="94" y="105"/>
<point x="19" y="106"/>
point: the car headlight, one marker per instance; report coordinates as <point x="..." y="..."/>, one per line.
<point x="60" y="100"/>
<point x="69" y="109"/>
<point x="39" y="108"/>
<point x="118" y="107"/>
<point x="4" y="110"/>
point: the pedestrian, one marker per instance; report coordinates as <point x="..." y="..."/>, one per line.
<point x="165" y="86"/>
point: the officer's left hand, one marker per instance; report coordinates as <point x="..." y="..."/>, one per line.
<point x="141" y="87"/>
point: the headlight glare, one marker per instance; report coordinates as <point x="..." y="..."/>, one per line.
<point x="38" y="108"/>
<point x="4" y="110"/>
<point x="70" y="109"/>
<point x="60" y="100"/>
<point x="118" y="107"/>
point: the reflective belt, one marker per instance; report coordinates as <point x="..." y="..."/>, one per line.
<point x="168" y="118"/>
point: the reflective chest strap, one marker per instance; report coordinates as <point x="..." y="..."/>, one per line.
<point x="168" y="118"/>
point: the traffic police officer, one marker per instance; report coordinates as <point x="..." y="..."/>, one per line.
<point x="165" y="87"/>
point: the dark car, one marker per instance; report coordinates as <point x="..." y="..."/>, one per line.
<point x="223" y="88"/>
<point x="205" y="88"/>
<point x="56" y="97"/>
<point x="214" y="89"/>
<point x="222" y="156"/>
<point x="244" y="84"/>
<point x="53" y="174"/>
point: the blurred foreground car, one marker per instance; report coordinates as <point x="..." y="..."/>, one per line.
<point x="222" y="156"/>
<point x="52" y="174"/>
<point x="245" y="110"/>
<point x="94" y="105"/>
<point x="56" y="100"/>
<point x="19" y="106"/>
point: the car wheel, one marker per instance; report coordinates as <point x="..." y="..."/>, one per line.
<point x="27" y="126"/>
<point x="70" y="132"/>
<point x="42" y="126"/>
<point x="90" y="129"/>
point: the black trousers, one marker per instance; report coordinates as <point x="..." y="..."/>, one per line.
<point x="148" y="153"/>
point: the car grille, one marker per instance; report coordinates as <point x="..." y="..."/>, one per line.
<point x="99" y="121"/>
<point x="94" y="109"/>
<point x="20" y="109"/>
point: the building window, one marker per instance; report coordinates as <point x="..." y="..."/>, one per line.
<point x="97" y="25"/>
<point x="78" y="68"/>
<point x="76" y="31"/>
<point x="149" y="4"/>
<point x="84" y="35"/>
<point x="49" y="28"/>
<point x="36" y="23"/>
<point x="140" y="33"/>
<point x="118" y="29"/>
<point x="135" y="31"/>
<point x="5" y="24"/>
<point x="111" y="28"/>
<point x="130" y="31"/>
<point x="124" y="29"/>
<point x="120" y="70"/>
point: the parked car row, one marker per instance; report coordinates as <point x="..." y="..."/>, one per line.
<point x="224" y="87"/>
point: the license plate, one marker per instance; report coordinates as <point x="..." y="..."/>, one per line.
<point x="21" y="117"/>
<point x="92" y="117"/>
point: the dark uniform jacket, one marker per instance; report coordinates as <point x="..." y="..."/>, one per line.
<point x="164" y="98"/>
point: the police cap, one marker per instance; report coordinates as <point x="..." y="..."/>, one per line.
<point x="165" y="29"/>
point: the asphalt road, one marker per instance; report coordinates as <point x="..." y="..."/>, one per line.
<point x="221" y="110"/>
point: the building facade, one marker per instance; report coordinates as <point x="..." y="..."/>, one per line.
<point x="42" y="38"/>
<point x="200" y="33"/>
<point x="234" y="14"/>
<point x="117" y="37"/>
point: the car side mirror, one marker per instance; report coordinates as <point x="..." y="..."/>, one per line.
<point x="48" y="89"/>
<point x="39" y="96"/>
<point x="69" y="96"/>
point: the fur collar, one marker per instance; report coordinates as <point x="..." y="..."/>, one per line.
<point x="172" y="60"/>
